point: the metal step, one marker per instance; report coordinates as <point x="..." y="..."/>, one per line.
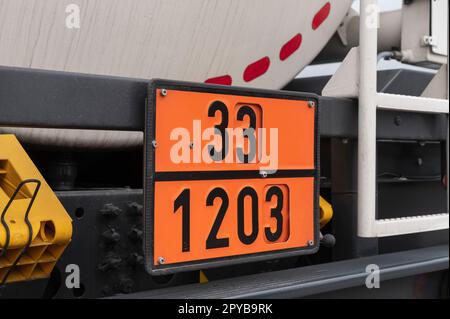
<point x="410" y="224"/>
<point x="398" y="102"/>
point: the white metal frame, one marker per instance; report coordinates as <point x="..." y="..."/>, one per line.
<point x="369" y="101"/>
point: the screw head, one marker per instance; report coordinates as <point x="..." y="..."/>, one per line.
<point x="161" y="260"/>
<point x="154" y="144"/>
<point x="310" y="242"/>
<point x="263" y="174"/>
<point x="345" y="141"/>
<point x="311" y="104"/>
<point x="163" y="92"/>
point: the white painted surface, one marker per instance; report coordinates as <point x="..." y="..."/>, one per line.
<point x="184" y="40"/>
<point x="385" y="5"/>
<point x="406" y="103"/>
<point x="369" y="101"/>
<point x="345" y="81"/>
<point x="438" y="86"/>
<point x="409" y="225"/>
<point x="367" y="115"/>
<point x="439" y="26"/>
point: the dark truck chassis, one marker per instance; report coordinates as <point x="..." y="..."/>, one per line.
<point x="410" y="146"/>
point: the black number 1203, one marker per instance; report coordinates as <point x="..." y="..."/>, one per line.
<point x="213" y="241"/>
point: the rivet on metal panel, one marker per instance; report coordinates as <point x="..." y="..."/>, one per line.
<point x="135" y="259"/>
<point x="110" y="210"/>
<point x="111" y="261"/>
<point x="135" y="208"/>
<point x="135" y="234"/>
<point x="111" y="236"/>
<point x="126" y="285"/>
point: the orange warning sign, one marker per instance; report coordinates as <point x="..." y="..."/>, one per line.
<point x="231" y="176"/>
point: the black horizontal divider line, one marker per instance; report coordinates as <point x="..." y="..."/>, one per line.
<point x="220" y="175"/>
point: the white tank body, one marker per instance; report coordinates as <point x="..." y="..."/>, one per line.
<point x="254" y="43"/>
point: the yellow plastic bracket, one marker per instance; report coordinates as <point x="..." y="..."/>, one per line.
<point x="24" y="257"/>
<point x="203" y="279"/>
<point x="326" y="212"/>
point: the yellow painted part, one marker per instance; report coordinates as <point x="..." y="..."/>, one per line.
<point x="326" y="212"/>
<point x="203" y="278"/>
<point x="51" y="224"/>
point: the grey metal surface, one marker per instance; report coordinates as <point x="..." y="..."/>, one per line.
<point x="36" y="98"/>
<point x="339" y="117"/>
<point x="396" y="81"/>
<point x="344" y="196"/>
<point x="433" y="285"/>
<point x="109" y="264"/>
<point x="406" y="187"/>
<point x="311" y="280"/>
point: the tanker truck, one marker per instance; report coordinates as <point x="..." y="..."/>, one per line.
<point x="223" y="149"/>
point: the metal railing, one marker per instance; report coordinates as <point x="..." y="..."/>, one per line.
<point x="369" y="101"/>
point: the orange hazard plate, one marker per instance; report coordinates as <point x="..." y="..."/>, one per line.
<point x="231" y="176"/>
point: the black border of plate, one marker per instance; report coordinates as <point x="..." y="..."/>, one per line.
<point x="149" y="176"/>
